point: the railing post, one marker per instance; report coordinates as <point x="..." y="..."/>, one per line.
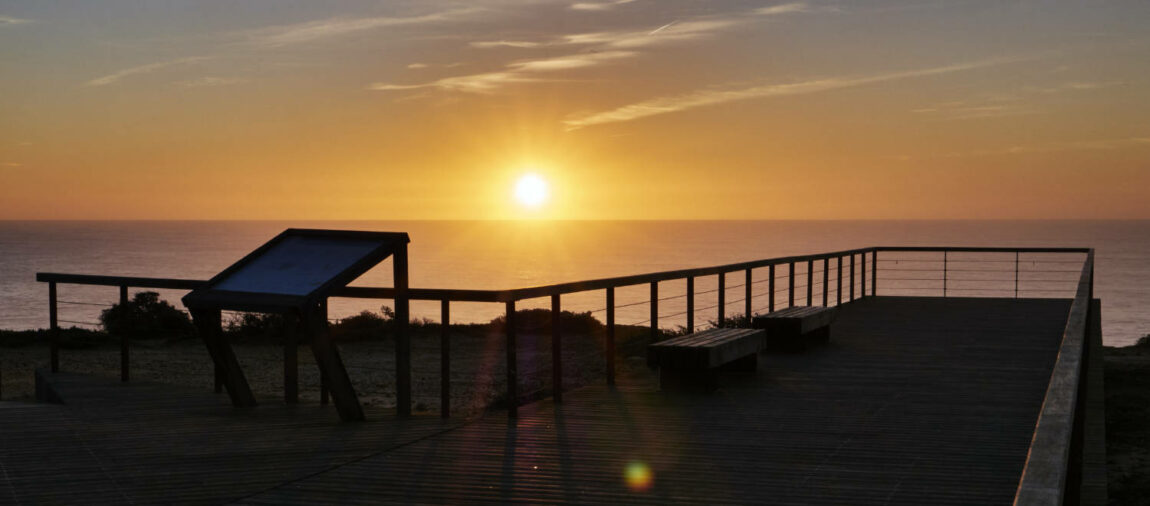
<point x="839" y="281"/>
<point x="722" y="296"/>
<point x="292" y="329"/>
<point x="323" y="391"/>
<point x="747" y="297"/>
<point x="123" y="337"/>
<point x="53" y="329"/>
<point x="445" y="358"/>
<point x="1016" y="275"/>
<point x="690" y="304"/>
<point x="874" y="273"/>
<point x="771" y="288"/>
<point x="826" y="279"/>
<point x="217" y="318"/>
<point x="556" y="350"/>
<point x="862" y="275"/>
<point x="512" y="364"/>
<point x="402" y="336"/>
<point x="791" y="285"/>
<point x="810" y="282"/>
<point x="944" y="273"/>
<point x="654" y="310"/>
<point x="611" y="335"/>
<point x="852" y="290"/>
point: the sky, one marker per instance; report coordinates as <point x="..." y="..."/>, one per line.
<point x="627" y="109"/>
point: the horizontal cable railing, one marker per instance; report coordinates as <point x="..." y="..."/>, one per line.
<point x="826" y="278"/>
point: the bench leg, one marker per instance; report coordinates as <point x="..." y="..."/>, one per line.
<point x="749" y="363"/>
<point x="820" y="336"/>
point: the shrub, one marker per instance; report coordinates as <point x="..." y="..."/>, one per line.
<point x="1143" y="342"/>
<point x="146" y="316"/>
<point x="258" y="327"/>
<point x="539" y="320"/>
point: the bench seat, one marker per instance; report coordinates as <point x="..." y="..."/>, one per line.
<point x="693" y="361"/>
<point x="794" y="328"/>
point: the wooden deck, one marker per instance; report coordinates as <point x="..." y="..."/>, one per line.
<point x="914" y="401"/>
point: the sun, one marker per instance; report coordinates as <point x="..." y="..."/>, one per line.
<point x="531" y="191"/>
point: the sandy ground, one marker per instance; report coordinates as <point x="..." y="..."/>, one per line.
<point x="478" y="373"/>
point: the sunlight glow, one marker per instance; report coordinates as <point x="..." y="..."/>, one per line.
<point x="531" y="191"/>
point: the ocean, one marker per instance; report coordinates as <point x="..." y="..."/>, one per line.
<point x="502" y="255"/>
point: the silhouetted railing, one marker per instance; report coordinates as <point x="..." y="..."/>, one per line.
<point x="930" y="271"/>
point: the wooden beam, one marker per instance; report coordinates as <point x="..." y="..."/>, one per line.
<point x="690" y="303"/>
<point x="402" y="337"/>
<point x="209" y="325"/>
<point x="53" y="330"/>
<point x="512" y="363"/>
<point x="556" y="350"/>
<point x="610" y="336"/>
<point x="292" y="332"/>
<point x="331" y="367"/>
<point x="771" y="288"/>
<point x="445" y="358"/>
<point x="722" y="296"/>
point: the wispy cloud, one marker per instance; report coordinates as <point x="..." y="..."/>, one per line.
<point x="1014" y="103"/>
<point x="598" y="6"/>
<point x="703" y="98"/>
<point x="1087" y="145"/>
<point x="596" y="48"/>
<point x="517" y="72"/>
<point x="1074" y="86"/>
<point x="207" y="81"/>
<point x="960" y="110"/>
<point x="9" y="20"/>
<point x="790" y="8"/>
<point x="284" y="35"/>
<point x="11" y="164"/>
<point x="143" y="69"/>
<point x="486" y="44"/>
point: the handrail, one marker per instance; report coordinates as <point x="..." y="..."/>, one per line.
<point x="1044" y="479"/>
<point x="845" y="265"/>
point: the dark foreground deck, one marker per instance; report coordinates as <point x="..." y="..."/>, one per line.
<point x="915" y="401"/>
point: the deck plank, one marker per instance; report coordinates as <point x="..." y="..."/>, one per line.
<point x="916" y="401"/>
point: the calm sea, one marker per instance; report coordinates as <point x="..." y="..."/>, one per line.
<point x="499" y="255"/>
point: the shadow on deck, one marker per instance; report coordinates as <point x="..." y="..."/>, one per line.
<point x="915" y="401"/>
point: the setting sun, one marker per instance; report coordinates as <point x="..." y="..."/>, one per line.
<point x="531" y="191"/>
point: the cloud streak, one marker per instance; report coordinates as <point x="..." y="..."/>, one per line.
<point x="598" y="6"/>
<point x="9" y="20"/>
<point x="142" y="69"/>
<point x="1026" y="149"/>
<point x="286" y="35"/>
<point x="597" y="48"/>
<point x="517" y="72"/>
<point x="211" y="81"/>
<point x="704" y="98"/>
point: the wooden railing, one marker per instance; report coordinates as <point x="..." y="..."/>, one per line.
<point x="1057" y="435"/>
<point x="855" y="262"/>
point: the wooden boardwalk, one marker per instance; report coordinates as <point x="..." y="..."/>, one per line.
<point x="915" y="401"/>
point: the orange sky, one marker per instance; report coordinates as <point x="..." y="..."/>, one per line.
<point x="636" y="109"/>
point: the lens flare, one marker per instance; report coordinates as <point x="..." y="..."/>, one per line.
<point x="638" y="476"/>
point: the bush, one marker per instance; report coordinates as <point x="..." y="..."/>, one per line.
<point x="146" y="316"/>
<point x="539" y="320"/>
<point x="1143" y="342"/>
<point x="258" y="327"/>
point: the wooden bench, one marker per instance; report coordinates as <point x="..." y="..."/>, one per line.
<point x="693" y="361"/>
<point x="794" y="328"/>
